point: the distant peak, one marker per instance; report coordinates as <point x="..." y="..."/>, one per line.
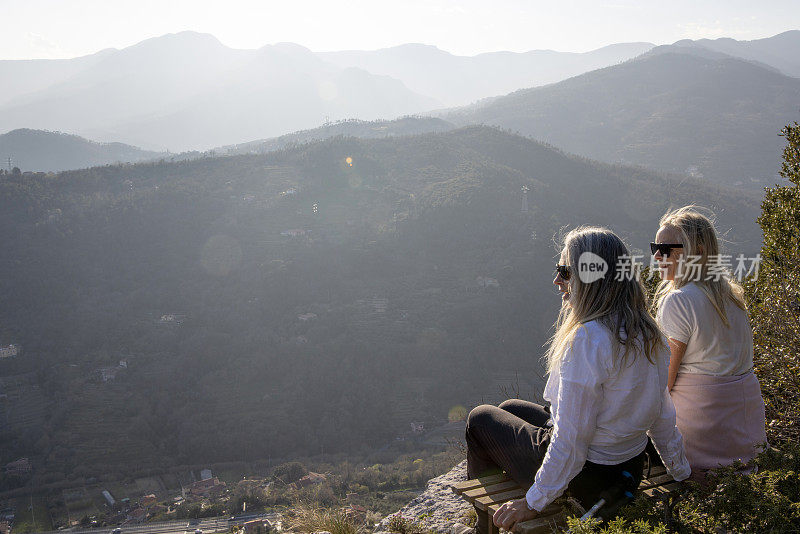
<point x="790" y="34"/>
<point x="187" y="37"/>
<point x="31" y="131"/>
<point x="190" y="35"/>
<point x="420" y="46"/>
<point x="290" y="47"/>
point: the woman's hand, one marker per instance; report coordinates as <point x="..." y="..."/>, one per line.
<point x="511" y="513"/>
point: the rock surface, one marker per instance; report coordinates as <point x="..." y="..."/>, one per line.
<point x="437" y="508"/>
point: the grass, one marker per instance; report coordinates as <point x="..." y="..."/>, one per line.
<point x="309" y="518"/>
<point x="470" y="517"/>
<point x="403" y="525"/>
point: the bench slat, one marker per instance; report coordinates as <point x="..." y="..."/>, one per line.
<point x="465" y="485"/>
<point x="549" y="510"/>
<point x="484" y="502"/>
<point x="472" y="494"/>
<point x="652" y="482"/>
<point x="657" y="470"/>
<point x="490" y="492"/>
<point x="662" y="490"/>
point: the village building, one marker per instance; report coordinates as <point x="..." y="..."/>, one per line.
<point x="295" y="232"/>
<point x="172" y="318"/>
<point x="18" y="467"/>
<point x="109" y="499"/>
<point x="204" y="488"/>
<point x="257" y="526"/>
<point x="108" y="373"/>
<point x="485" y="281"/>
<point x="138" y="514"/>
<point x="10" y="351"/>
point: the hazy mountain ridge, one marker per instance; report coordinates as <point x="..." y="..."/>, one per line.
<point x="21" y="77"/>
<point x="37" y="150"/>
<point x="187" y="91"/>
<point x="779" y="51"/>
<point x="181" y="270"/>
<point x="458" y="80"/>
<point x="675" y="111"/>
<point x="348" y="128"/>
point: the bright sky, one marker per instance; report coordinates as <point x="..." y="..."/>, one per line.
<point x="62" y="29"/>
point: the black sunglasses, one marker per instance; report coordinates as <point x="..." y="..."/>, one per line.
<point x="564" y="271"/>
<point x="663" y="248"/>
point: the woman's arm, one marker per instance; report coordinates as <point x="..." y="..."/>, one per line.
<point x="668" y="440"/>
<point x="581" y="376"/>
<point x="677" y="350"/>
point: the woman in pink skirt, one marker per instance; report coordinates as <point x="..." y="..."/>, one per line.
<point x="701" y="309"/>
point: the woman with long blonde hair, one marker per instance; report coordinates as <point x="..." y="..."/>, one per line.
<point x="701" y="309"/>
<point x="607" y="389"/>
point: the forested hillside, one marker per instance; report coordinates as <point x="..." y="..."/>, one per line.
<point x="410" y="125"/>
<point x="37" y="150"/>
<point x="673" y="109"/>
<point x="321" y="297"/>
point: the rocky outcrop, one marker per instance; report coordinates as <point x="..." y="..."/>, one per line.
<point x="437" y="508"/>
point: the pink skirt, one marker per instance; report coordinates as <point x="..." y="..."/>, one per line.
<point x="721" y="418"/>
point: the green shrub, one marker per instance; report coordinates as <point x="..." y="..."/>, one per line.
<point x="617" y="526"/>
<point x="289" y="472"/>
<point x="774" y="299"/>
<point x="767" y="501"/>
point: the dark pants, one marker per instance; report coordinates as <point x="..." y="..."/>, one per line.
<point x="513" y="437"/>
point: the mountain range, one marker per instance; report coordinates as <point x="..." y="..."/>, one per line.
<point x="679" y="109"/>
<point x="708" y="108"/>
<point x="188" y="91"/>
<point x="458" y="80"/>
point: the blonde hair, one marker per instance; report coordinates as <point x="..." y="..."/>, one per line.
<point x="699" y="239"/>
<point x="616" y="302"/>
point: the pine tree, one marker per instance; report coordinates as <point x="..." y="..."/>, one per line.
<point x="774" y="298"/>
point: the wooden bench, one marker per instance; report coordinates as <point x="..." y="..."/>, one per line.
<point x="487" y="494"/>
